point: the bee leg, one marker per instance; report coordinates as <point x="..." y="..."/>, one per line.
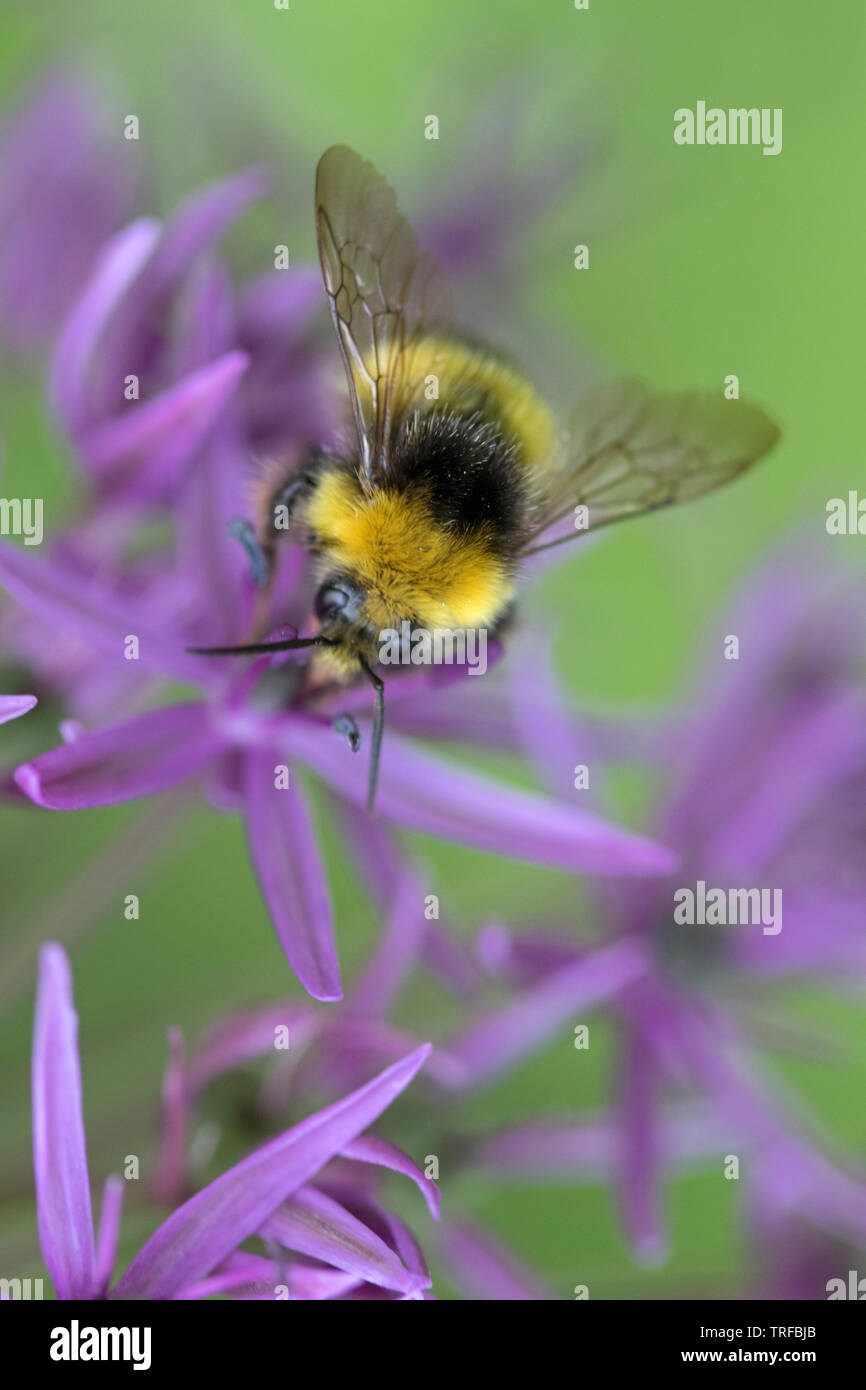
<point x="281" y="511"/>
<point x="289" y="496"/>
<point x="241" y="530"/>
<point x="378" y="730"/>
<point x="346" y="725"/>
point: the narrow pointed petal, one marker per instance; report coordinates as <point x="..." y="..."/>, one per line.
<point x="314" y="1224"/>
<point x="252" y="1277"/>
<point x="207" y="1228"/>
<point x="186" y="239"/>
<point x="291" y="875"/>
<point x="526" y="1022"/>
<point x="120" y="262"/>
<point x="199" y="222"/>
<point x="398" y="948"/>
<point x="587" y="1149"/>
<point x="143" y="453"/>
<point x="59" y="1147"/>
<point x="549" y="737"/>
<point x="485" y="1270"/>
<point x="800" y="768"/>
<point x="426" y="793"/>
<point x="241" y="1037"/>
<point x="837" y="950"/>
<point x="409" y="1250"/>
<point x="139" y="757"/>
<point x="312" y="1283"/>
<point x="378" y="862"/>
<point x="213" y="494"/>
<point x="13" y="706"/>
<point x="638" y="1166"/>
<point x="77" y="605"/>
<point x="62" y="197"/>
<point x="369" y="1148"/>
<point x="171" y="1164"/>
<point x="109" y="1231"/>
<point x="249" y="1271"/>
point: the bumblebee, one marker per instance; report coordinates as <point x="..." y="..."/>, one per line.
<point x="458" y="471"/>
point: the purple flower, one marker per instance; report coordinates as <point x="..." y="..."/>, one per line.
<point x="289" y="1193"/>
<point x="66" y="183"/>
<point x="154" y="312"/>
<point x="769" y="789"/>
<point x="144" y="365"/>
<point x="251" y="727"/>
<point x="330" y="1049"/>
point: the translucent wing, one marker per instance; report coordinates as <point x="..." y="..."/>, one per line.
<point x="383" y="292"/>
<point x="627" y="451"/>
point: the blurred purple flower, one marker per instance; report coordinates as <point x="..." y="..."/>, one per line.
<point x="137" y="378"/>
<point x="284" y="1193"/>
<point x="66" y="184"/>
<point x="770" y="789"/>
<point x="156" y="309"/>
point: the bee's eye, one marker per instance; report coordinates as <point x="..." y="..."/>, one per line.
<point x="332" y="601"/>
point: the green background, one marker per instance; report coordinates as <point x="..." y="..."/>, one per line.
<point x="704" y="261"/>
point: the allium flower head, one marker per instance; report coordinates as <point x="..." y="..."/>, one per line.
<point x="769" y="790"/>
<point x="281" y="1193"/>
<point x="157" y="312"/>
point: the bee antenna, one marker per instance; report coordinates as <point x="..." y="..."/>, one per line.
<point x="378" y="729"/>
<point x="292" y="644"/>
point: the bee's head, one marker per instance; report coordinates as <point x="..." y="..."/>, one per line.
<point x="347" y="612"/>
<point x="339" y="606"/>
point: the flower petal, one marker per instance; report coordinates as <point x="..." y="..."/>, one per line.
<point x="139" y="757"/>
<point x="197" y="224"/>
<point x="59" y="1146"/>
<point x="213" y="1223"/>
<point x="426" y="793"/>
<point x="407" y="1248"/>
<point x="243" y="1036"/>
<point x="804" y="764"/>
<point x="525" y="1023"/>
<point x="314" y="1224"/>
<point x="369" y="1148"/>
<point x="109" y="1232"/>
<point x="291" y="875"/>
<point x="585" y="1150"/>
<point x="61" y="199"/>
<point x="77" y="605"/>
<point x="171" y="1163"/>
<point x="144" y="451"/>
<point x="638" y="1166"/>
<point x="13" y="706"/>
<point x="120" y="261"/>
<point x="485" y="1269"/>
<point x="397" y="950"/>
<point x="378" y="862"/>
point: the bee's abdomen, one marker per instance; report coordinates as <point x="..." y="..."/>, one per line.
<point x="467" y="471"/>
